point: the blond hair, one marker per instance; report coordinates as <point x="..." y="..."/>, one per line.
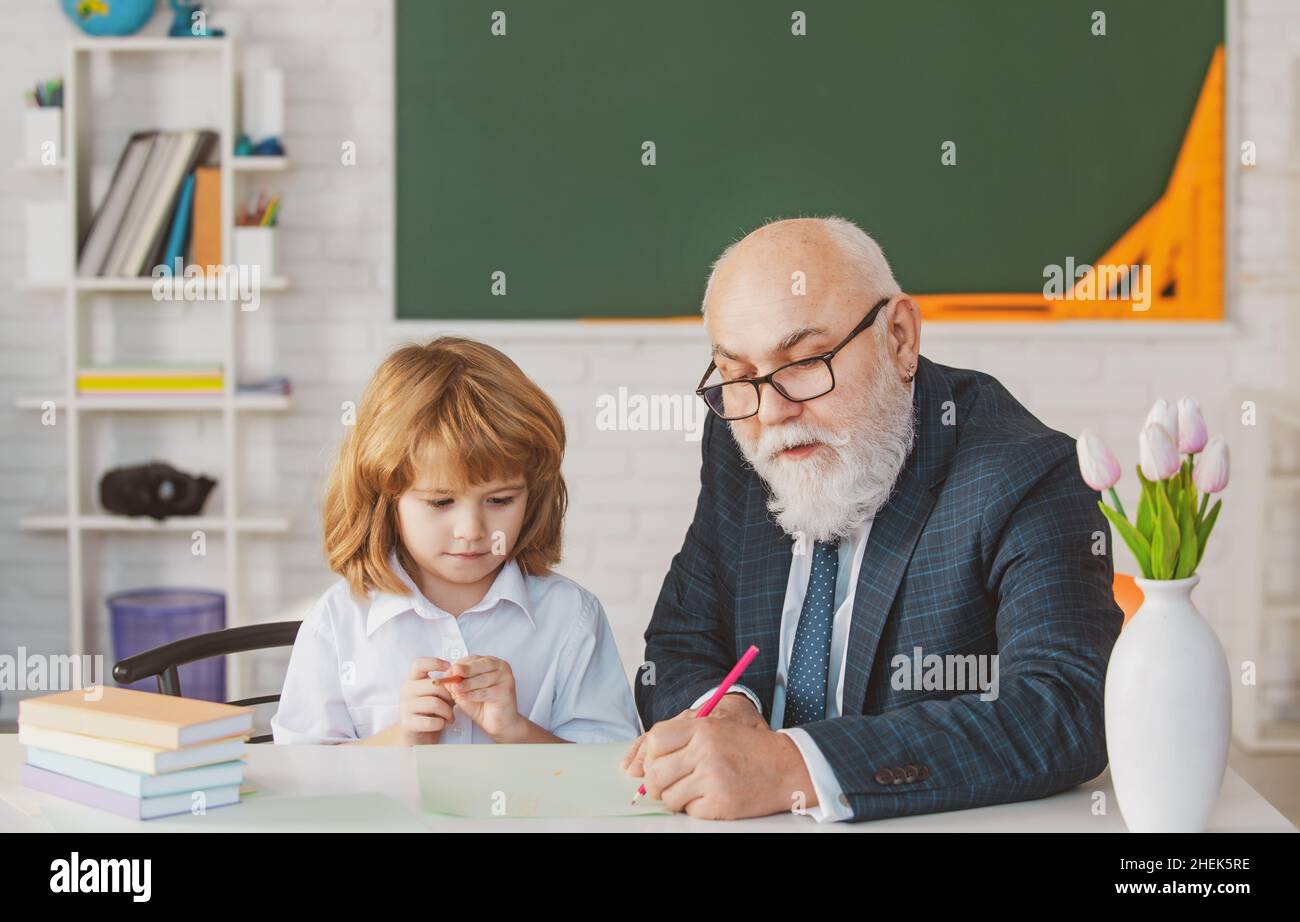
<point x="458" y="400"/>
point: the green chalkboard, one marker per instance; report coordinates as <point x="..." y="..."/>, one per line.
<point x="522" y="153"/>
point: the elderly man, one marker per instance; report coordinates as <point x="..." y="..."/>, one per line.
<point x="862" y="512"/>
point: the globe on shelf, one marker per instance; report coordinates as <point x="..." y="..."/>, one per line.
<point x="109" y="17"/>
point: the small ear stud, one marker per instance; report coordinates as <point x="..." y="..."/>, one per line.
<point x="911" y="373"/>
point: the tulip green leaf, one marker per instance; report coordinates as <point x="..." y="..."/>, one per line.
<point x="1139" y="545"/>
<point x="1207" y="526"/>
<point x="1188" y="545"/>
<point x="1174" y="490"/>
<point x="1164" y="540"/>
<point x="1146" y="508"/>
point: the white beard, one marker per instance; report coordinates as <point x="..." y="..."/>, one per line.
<point x="828" y="495"/>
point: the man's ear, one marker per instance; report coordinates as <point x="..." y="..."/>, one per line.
<point x="905" y="336"/>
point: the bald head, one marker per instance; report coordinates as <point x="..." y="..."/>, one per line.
<point x="788" y="259"/>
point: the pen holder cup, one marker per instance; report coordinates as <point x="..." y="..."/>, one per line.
<point x="255" y="246"/>
<point x="43" y="131"/>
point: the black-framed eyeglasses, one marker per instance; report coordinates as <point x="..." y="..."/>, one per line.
<point x="798" y="381"/>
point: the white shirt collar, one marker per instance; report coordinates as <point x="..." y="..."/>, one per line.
<point x="509" y="586"/>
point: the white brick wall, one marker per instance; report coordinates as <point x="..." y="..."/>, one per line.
<point x="632" y="493"/>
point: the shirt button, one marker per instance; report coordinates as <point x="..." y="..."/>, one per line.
<point x="456" y="653"/>
<point x="455" y="730"/>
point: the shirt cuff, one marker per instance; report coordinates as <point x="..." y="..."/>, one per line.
<point x="734" y="689"/>
<point x="832" y="806"/>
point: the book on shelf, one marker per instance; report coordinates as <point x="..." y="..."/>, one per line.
<point x="150" y="379"/>
<point x="276" y="385"/>
<point x="180" y="231"/>
<point x="205" y="239"/>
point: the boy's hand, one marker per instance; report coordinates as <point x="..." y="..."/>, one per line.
<point x="424" y="706"/>
<point x="485" y="691"/>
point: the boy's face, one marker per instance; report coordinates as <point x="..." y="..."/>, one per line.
<point x="461" y="536"/>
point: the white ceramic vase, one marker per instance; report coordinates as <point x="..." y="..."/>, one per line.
<point x="1168" y="712"/>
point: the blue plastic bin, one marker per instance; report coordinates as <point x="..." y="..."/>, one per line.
<point x="142" y="619"/>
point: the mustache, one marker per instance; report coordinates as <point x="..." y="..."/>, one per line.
<point x="792" y="435"/>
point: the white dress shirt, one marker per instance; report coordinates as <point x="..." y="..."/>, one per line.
<point x="825" y="785"/>
<point x="352" y="656"/>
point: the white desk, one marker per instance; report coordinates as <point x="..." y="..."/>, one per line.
<point x="280" y="771"/>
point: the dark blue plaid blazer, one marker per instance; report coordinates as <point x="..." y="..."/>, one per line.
<point x="985" y="546"/>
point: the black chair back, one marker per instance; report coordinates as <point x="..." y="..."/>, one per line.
<point x="164" y="661"/>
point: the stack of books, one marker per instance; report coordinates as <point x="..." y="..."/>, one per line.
<point x="137" y="754"/>
<point x="149" y="380"/>
<point x="161" y="203"/>
<point x="276" y="384"/>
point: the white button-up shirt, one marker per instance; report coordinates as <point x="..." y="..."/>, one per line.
<point x="351" y="658"/>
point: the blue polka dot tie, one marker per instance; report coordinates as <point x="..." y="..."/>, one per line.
<point x="810" y="659"/>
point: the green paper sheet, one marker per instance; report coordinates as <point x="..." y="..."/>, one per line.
<point x="546" y="779"/>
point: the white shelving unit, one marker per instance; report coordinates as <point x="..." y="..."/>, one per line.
<point x="215" y="56"/>
<point x="1262" y="619"/>
<point x="35" y="166"/>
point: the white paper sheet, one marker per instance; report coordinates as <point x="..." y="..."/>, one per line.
<point x="546" y="779"/>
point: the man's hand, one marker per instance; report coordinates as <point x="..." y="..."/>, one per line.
<point x="724" y="769"/>
<point x="728" y="768"/>
<point x="733" y="706"/>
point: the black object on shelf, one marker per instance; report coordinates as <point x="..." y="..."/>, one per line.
<point x="156" y="489"/>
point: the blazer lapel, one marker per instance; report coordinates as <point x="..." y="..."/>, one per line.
<point x="763" y="573"/>
<point x="897" y="527"/>
<point x="888" y="552"/>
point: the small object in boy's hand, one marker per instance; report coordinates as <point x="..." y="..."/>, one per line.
<point x="441" y="678"/>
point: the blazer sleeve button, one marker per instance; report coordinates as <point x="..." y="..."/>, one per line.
<point x="924" y="771"/>
<point x="911" y="773"/>
<point x="884" y="776"/>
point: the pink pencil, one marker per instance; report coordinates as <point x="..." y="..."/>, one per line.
<point x="730" y="680"/>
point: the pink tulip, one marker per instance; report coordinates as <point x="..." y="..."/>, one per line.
<point x="1165" y="415"/>
<point x="1099" y="468"/>
<point x="1157" y="453"/>
<point x="1211" y="471"/>
<point x="1191" y="427"/>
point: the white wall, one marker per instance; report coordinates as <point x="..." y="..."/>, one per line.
<point x="632" y="493"/>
